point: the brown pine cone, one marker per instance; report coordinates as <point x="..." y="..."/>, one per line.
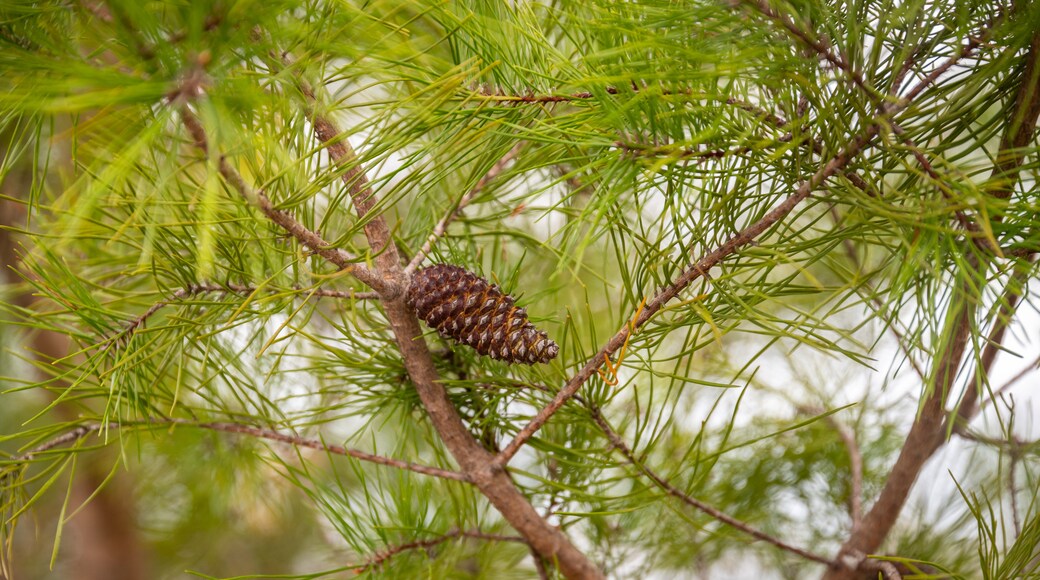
<point x="467" y="308"/>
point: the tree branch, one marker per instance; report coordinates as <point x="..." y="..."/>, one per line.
<point x="476" y="462"/>
<point x="928" y="432"/>
<point x="975" y="233"/>
<point x="619" y="444"/>
<point x="698" y="270"/>
<point x="257" y="432"/>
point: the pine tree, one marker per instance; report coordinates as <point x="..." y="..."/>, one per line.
<point x="783" y="250"/>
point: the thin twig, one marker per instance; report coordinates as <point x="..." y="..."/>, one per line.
<point x="966" y="49"/>
<point x="774" y="120"/>
<point x="206" y="288"/>
<point x="887" y="569"/>
<point x="848" y="438"/>
<point x="380" y="558"/>
<point x="258" y="432"/>
<point x="820" y="46"/>
<point x="855" y="470"/>
<point x="618" y="443"/>
<point x="63" y="439"/>
<point x="442" y="226"/>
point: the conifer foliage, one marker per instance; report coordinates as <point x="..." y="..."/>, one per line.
<point x="787" y="252"/>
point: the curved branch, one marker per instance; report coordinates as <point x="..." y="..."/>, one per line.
<point x="619" y="444"/>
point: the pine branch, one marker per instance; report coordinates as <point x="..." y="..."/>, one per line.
<point x="929" y="430"/>
<point x="257" y="432"/>
<point x="618" y="443"/>
<point x="476" y="462"/>
<point x="771" y="118"/>
<point x="746" y="236"/>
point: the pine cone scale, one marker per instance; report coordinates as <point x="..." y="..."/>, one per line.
<point x="467" y="308"/>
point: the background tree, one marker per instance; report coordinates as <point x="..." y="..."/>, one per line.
<point x="785" y="249"/>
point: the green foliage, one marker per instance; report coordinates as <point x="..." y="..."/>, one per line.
<point x="647" y="137"/>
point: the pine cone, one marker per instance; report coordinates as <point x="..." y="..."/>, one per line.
<point x="467" y="308"/>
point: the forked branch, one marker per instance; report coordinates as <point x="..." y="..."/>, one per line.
<point x="339" y="257"/>
<point x="476" y="462"/>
